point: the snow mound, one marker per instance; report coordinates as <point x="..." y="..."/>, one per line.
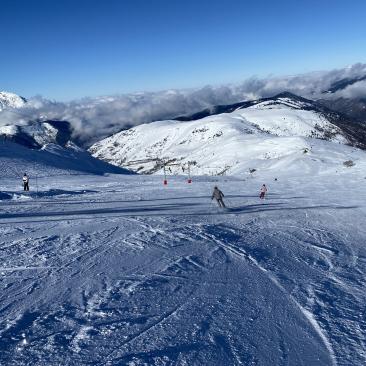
<point x="21" y="197"/>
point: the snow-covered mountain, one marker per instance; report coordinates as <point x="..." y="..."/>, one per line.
<point x="44" y="148"/>
<point x="348" y="116"/>
<point x="38" y="134"/>
<point x="263" y="134"/>
<point x="11" y="100"/>
<point x="33" y="134"/>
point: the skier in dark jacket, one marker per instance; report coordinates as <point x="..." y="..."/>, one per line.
<point x="26" y="182"/>
<point x="218" y="195"/>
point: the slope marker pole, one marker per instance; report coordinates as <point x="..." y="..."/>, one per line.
<point x="165" y="180"/>
<point x="189" y="172"/>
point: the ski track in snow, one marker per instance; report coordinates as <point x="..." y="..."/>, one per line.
<point x="133" y="273"/>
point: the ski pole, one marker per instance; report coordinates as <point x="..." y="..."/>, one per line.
<point x="37" y="184"/>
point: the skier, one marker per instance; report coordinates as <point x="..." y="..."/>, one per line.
<point x="26" y="182"/>
<point x="263" y="191"/>
<point x="218" y="195"/>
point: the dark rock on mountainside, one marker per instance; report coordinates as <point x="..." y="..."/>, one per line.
<point x="354" y="108"/>
<point x="343" y="84"/>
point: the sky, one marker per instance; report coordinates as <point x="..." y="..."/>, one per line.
<point x="70" y="49"/>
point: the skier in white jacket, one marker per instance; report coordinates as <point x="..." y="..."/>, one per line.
<point x="263" y="191"/>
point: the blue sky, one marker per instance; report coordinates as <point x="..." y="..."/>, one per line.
<point x="73" y="48"/>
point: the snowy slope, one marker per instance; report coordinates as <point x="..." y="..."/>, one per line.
<point x="51" y="160"/>
<point x="11" y="100"/>
<point x="122" y="270"/>
<point x="262" y="135"/>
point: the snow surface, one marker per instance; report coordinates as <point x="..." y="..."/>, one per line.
<point x="121" y="270"/>
<point x="263" y="134"/>
<point x="52" y="160"/>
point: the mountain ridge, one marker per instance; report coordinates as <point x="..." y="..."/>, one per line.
<point x="269" y="129"/>
<point x="354" y="128"/>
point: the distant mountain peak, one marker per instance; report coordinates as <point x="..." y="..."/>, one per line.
<point x="286" y="99"/>
<point x="296" y="102"/>
<point x="11" y="100"/>
<point x="289" y="95"/>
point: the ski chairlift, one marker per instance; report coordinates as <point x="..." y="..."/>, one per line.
<point x="163" y="163"/>
<point x="168" y="164"/>
<point x="218" y="170"/>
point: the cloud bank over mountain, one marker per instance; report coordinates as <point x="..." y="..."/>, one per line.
<point x="96" y="118"/>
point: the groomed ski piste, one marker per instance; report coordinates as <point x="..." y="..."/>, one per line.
<point x="121" y="270"/>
